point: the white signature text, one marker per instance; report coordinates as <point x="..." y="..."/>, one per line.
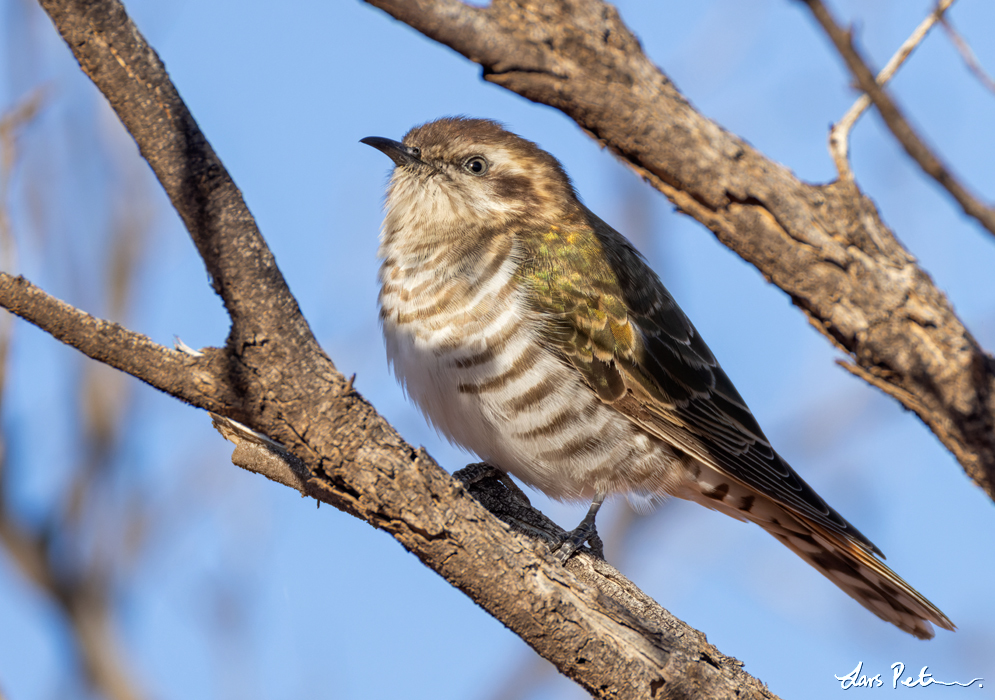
<point x="856" y="679"/>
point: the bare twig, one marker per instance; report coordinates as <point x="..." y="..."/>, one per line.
<point x="10" y="123"/>
<point x="257" y="453"/>
<point x="839" y="135"/>
<point x="968" y="55"/>
<point x="896" y="122"/>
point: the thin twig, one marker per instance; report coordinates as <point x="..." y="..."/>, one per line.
<point x="968" y="55"/>
<point x="896" y="122"/>
<point x="839" y="135"/>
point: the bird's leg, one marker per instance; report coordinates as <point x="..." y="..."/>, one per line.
<point x="575" y="539"/>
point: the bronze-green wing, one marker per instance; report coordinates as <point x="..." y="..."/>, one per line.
<point x="621" y="329"/>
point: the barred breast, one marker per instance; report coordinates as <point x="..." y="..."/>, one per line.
<point x="467" y="348"/>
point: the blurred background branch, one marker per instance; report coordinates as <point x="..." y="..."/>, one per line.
<point x="964" y="48"/>
<point x="74" y="194"/>
<point x="77" y="551"/>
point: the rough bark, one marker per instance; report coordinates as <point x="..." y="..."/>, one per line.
<point x="825" y="245"/>
<point x="594" y="625"/>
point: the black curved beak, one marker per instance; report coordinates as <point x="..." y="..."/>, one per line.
<point x="395" y="150"/>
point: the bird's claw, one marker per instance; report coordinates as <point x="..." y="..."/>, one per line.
<point x="586" y="532"/>
<point x="574" y="541"/>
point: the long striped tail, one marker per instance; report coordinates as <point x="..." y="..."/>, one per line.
<point x="860" y="575"/>
<point x="845" y="561"/>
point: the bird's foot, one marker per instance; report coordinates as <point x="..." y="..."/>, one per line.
<point x="574" y="540"/>
<point x="586" y="532"/>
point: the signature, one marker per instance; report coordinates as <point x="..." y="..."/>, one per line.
<point x="856" y="679"/>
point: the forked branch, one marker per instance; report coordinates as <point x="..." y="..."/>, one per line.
<point x="896" y="121"/>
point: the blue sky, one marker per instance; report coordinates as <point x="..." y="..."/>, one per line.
<point x="244" y="589"/>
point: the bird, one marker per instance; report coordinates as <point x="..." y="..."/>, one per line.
<point x="531" y="333"/>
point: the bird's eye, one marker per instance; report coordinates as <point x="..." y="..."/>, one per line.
<point x="415" y="151"/>
<point x="476" y="165"/>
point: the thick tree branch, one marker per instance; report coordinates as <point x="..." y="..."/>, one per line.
<point x="826" y="246"/>
<point x="896" y="121"/>
<point x="273" y="377"/>
<point x="113" y="53"/>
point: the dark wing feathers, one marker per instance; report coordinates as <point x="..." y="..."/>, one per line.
<point x="623" y="332"/>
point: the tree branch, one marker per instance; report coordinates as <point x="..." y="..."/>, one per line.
<point x="896" y="121"/>
<point x="114" y="54"/>
<point x="826" y="245"/>
<point x="274" y="378"/>
<point x="191" y="379"/>
<point x="83" y="601"/>
<point x="48" y="547"/>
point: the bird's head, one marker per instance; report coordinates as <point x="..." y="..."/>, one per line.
<point x="456" y="178"/>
